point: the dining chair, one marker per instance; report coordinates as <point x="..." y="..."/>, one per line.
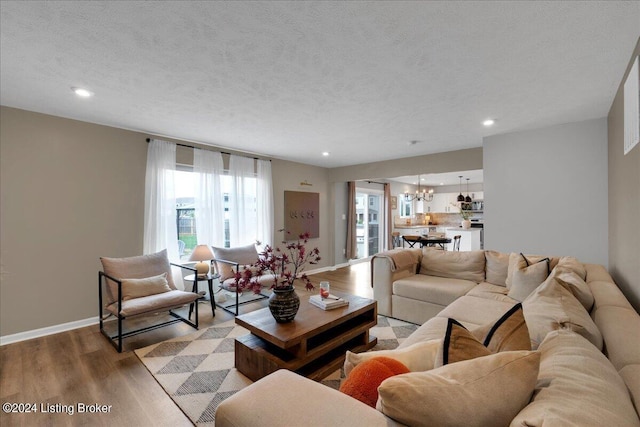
<point x="456" y="242"/>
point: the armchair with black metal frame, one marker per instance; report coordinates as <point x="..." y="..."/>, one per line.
<point x="141" y="285"/>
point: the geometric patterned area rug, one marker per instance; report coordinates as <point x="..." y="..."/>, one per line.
<point x="197" y="370"/>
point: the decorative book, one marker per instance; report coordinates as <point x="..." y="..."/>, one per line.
<point x="328" y="303"/>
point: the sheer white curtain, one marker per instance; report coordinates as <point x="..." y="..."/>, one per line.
<point x="160" y="230"/>
<point x="243" y="228"/>
<point x="209" y="211"/>
<point x="264" y="203"/>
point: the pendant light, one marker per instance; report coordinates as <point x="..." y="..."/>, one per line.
<point x="460" y="196"/>
<point x="468" y="198"/>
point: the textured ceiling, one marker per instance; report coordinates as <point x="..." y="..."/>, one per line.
<point x="293" y="79"/>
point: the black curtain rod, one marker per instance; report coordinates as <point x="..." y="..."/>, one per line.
<point x="198" y="148"/>
<point x="375" y="182"/>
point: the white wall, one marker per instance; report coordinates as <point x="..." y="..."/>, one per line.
<point x="545" y="191"/>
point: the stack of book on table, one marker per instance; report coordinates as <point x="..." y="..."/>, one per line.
<point x="328" y="303"/>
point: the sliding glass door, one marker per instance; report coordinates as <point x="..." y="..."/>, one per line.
<point x="370" y="222"/>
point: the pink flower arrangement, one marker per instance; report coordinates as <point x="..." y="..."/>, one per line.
<point x="286" y="265"/>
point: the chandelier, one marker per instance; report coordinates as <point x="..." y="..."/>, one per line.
<point x="421" y="195"/>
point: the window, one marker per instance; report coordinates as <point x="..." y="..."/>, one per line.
<point x="185" y="210"/>
<point x="405" y="208"/>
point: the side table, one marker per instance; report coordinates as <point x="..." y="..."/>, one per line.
<point x="209" y="278"/>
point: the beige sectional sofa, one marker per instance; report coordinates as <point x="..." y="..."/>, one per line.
<point x="585" y="332"/>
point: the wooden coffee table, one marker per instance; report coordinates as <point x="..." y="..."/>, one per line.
<point x="313" y="345"/>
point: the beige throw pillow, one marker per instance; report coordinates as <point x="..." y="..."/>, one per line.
<point x="459" y="345"/>
<point x="518" y="261"/>
<point x="137" y="288"/>
<point x="526" y="280"/>
<point x="416" y="357"/>
<point x="508" y="333"/>
<point x="485" y="391"/>
<point x="551" y="307"/>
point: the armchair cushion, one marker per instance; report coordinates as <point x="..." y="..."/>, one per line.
<point x="136" y="288"/>
<point x="243" y="255"/>
<point x="137" y="267"/>
<point x="153" y="303"/>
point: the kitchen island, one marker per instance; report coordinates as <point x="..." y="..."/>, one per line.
<point x="469" y="240"/>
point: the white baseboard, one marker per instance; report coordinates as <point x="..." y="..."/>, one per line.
<point x="49" y="330"/>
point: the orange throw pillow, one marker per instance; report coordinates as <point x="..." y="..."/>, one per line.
<point x="362" y="383"/>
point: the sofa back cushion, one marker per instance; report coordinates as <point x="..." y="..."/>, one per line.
<point x="497" y="266"/>
<point x="550" y="307"/>
<point x="453" y="264"/>
<point x="577" y="386"/>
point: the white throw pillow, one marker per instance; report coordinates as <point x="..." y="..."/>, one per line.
<point x="416" y="357"/>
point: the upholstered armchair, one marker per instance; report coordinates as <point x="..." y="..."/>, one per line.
<point x="141" y="285"/>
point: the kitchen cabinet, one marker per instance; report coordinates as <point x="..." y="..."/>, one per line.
<point x="441" y="203"/>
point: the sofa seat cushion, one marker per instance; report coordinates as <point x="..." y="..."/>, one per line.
<point x="577" y="386"/>
<point x="453" y="264"/>
<point x="153" y="303"/>
<point x="473" y="311"/>
<point x="436" y="290"/>
<point x="490" y="291"/>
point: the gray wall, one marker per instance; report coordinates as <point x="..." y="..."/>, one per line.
<point x="624" y="201"/>
<point x="546" y="191"/>
<point x="73" y="191"/>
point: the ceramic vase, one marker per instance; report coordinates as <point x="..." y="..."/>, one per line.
<point x="284" y="304"/>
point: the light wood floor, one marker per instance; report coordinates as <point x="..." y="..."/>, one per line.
<point x="81" y="366"/>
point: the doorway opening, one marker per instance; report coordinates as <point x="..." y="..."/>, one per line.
<point x="370" y="220"/>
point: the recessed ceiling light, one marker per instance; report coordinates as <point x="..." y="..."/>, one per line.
<point x="84" y="93"/>
<point x="442" y="183"/>
<point x="325" y="153"/>
<point x="488" y="122"/>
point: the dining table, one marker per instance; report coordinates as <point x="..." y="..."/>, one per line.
<point x="425" y="240"/>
